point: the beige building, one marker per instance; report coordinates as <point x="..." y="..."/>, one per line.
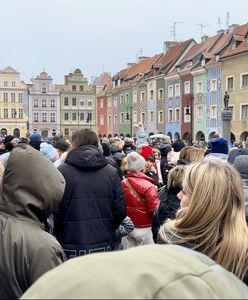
<point x="235" y="81"/>
<point x="13" y="104"/>
<point x="77" y="104"/>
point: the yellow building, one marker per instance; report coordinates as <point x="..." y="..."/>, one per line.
<point x="13" y="104"/>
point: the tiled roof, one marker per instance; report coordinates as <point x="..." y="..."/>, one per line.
<point x="102" y="79"/>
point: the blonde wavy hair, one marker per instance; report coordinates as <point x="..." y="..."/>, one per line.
<point x="214" y="222"/>
<point x="191" y="154"/>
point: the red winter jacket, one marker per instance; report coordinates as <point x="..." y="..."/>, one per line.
<point x="141" y="212"/>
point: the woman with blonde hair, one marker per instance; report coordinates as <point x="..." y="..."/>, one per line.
<point x="191" y="154"/>
<point x="212" y="216"/>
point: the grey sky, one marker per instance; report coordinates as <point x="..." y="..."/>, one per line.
<point x="97" y="35"/>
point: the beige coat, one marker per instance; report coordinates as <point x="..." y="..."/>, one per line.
<point x="31" y="189"/>
<point x="146" y="272"/>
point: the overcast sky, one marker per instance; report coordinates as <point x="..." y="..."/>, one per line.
<point x="100" y="35"/>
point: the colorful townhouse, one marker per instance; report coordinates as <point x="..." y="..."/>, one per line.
<point x="44" y="106"/>
<point x="77" y="104"/>
<point x="13" y="104"/>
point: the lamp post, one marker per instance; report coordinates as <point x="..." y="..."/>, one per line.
<point x="89" y="118"/>
<point x="129" y="117"/>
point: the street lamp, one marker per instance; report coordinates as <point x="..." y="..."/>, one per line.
<point x="89" y="118"/>
<point x="129" y="117"/>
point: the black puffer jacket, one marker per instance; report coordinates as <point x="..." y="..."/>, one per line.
<point x="93" y="205"/>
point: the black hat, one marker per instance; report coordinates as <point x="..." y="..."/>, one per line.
<point x="61" y="145"/>
<point x="8" y="139"/>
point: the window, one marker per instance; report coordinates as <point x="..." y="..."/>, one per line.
<point x="52" y="117"/>
<point x="43" y="90"/>
<point x="160" y="94"/>
<point x="160" y="116"/>
<point x="115" y="101"/>
<point x="177" y="90"/>
<point x="74" y="102"/>
<point x="135" y="116"/>
<point x="81" y="88"/>
<point x="36" y="117"/>
<point x="135" y="97"/>
<point x="5" y="113"/>
<point x="44" y="117"/>
<point x="74" y="116"/>
<point x="5" y="83"/>
<point x="187" y="117"/>
<point x="109" y="120"/>
<point x="152" y="116"/>
<point x="127" y="98"/>
<point x="66" y="131"/>
<point x="52" y="103"/>
<point x="244" y="81"/>
<point x="244" y="111"/>
<point x="13" y="83"/>
<point x="43" y="103"/>
<point x="142" y="96"/>
<point x="151" y="94"/>
<point x="81" y="116"/>
<point x="199" y="112"/>
<point x="13" y="113"/>
<point x="177" y="114"/>
<point x="101" y="103"/>
<point x="5" y="97"/>
<point x="231" y="108"/>
<point x="82" y="102"/>
<point x="143" y="117"/>
<point x="213" y="112"/>
<point x="229" y="83"/>
<point x="187" y="87"/>
<point x="90" y="103"/>
<point x="170" y="115"/>
<point x="109" y="102"/>
<point x="122" y="118"/>
<point x="115" y="119"/>
<point x="66" y="102"/>
<point x="20" y="113"/>
<point x="36" y="103"/>
<point x="121" y="99"/>
<point x="199" y="87"/>
<point x="213" y="85"/>
<point x="101" y="120"/>
<point x="170" y="91"/>
<point x="66" y="116"/>
<point x="20" y="98"/>
<point x="74" y="88"/>
<point x="13" y="97"/>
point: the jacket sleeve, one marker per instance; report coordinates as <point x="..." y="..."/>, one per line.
<point x="152" y="200"/>
<point x="126" y="227"/>
<point x="119" y="203"/>
<point x="48" y="256"/>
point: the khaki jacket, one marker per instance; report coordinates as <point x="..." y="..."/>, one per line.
<point x="31" y="188"/>
<point x="145" y="272"/>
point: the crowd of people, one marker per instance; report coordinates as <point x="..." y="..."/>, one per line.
<point x="63" y="199"/>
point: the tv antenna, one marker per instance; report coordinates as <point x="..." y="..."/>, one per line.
<point x="202" y="26"/>
<point x="227" y="20"/>
<point x="173" y="31"/>
<point x="219" y="23"/>
<point x="139" y="53"/>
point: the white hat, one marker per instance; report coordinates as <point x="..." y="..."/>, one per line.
<point x="136" y="162"/>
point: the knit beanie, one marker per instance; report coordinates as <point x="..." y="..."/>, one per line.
<point x="61" y="145"/>
<point x="146" y="151"/>
<point x="235" y="153"/>
<point x="48" y="151"/>
<point x="241" y="164"/>
<point x="219" y="145"/>
<point x="135" y="162"/>
<point x="178" y="145"/>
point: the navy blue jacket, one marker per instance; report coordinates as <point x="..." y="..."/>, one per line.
<point x="93" y="204"/>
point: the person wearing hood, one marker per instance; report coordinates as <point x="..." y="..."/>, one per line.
<point x="93" y="205"/>
<point x="31" y="189"/>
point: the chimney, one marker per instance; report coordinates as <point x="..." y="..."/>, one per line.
<point x="142" y="58"/>
<point x="168" y="45"/>
<point x="130" y="65"/>
<point x="231" y="27"/>
<point x="204" y="38"/>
